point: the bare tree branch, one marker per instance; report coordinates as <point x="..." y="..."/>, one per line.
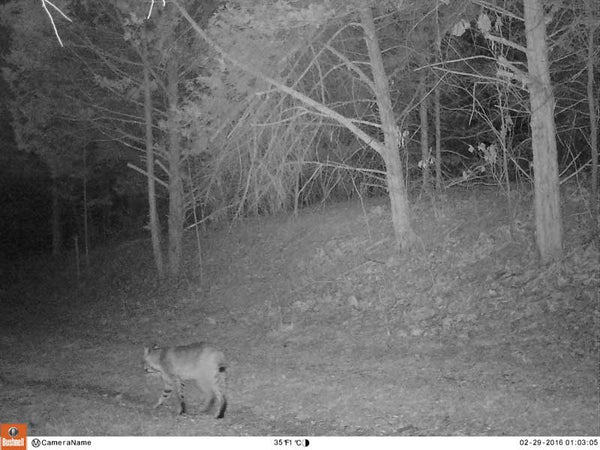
<point x="48" y="2"/>
<point x="370" y="141"/>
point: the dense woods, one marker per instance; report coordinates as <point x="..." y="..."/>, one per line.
<point x="196" y="113"/>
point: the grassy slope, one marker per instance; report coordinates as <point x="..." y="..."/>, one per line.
<point x="328" y="330"/>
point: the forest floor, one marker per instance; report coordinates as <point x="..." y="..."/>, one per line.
<point x="328" y="329"/>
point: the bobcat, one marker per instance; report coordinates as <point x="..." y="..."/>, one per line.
<point x="199" y="362"/>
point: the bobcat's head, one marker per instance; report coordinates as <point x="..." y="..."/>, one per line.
<point x="150" y="361"/>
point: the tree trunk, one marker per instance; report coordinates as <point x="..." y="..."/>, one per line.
<point x="592" y="107"/>
<point x="548" y="219"/>
<point x="153" y="214"/>
<point x="176" y="213"/>
<point x="424" y="120"/>
<point x="391" y="150"/>
<point x="438" y="140"/>
<point x="56" y="228"/>
<point x="86" y="234"/>
<point x="437" y="110"/>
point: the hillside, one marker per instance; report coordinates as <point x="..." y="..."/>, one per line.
<point x="327" y="328"/>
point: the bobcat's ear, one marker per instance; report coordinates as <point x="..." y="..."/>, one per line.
<point x="154" y="347"/>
